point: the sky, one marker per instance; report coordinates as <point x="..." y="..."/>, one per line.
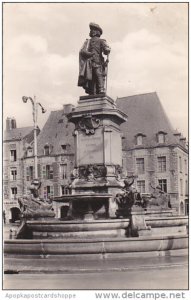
<point x="41" y="43"/>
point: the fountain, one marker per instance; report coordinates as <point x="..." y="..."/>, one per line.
<point x="106" y="217"/>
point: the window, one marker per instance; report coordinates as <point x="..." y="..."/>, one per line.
<point x="182" y="208"/>
<point x="29" y="151"/>
<point x="64" y="147"/>
<point x="47" y="172"/>
<point x="48" y="191"/>
<point x="161" y="138"/>
<point x="65" y="190"/>
<point x="186" y="187"/>
<point x="139" y="140"/>
<point x="141" y="186"/>
<point x="13" y="155"/>
<point x="14" y="193"/>
<point x="162" y="164"/>
<point x="29" y="173"/>
<point x="185" y="166"/>
<point x="181" y="187"/>
<point x="140" y="164"/>
<point x="46" y="150"/>
<point x="186" y="207"/>
<point x="63" y="169"/>
<point x="14" y="174"/>
<point x="163" y="185"/>
<point x="180" y="164"/>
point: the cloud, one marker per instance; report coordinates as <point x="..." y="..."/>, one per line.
<point x="36" y="71"/>
<point x="34" y="65"/>
<point x="143" y="62"/>
<point x="142" y="59"/>
<point x="41" y="43"/>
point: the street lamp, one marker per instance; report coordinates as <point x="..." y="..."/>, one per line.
<point x="35" y="113"/>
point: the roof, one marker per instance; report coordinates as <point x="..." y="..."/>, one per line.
<point x="146" y="116"/>
<point x="56" y="132"/>
<point x="18" y="133"/>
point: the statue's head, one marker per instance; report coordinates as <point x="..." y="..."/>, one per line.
<point x="95" y="30"/>
<point x="35" y="183"/>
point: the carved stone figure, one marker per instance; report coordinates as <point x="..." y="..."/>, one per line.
<point x="34" y="207"/>
<point x="34" y="188"/>
<point x="128" y="198"/>
<point x="157" y="199"/>
<point x="92" y="66"/>
<point x="92" y="172"/>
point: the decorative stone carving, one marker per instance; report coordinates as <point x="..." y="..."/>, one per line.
<point x="35" y="208"/>
<point x="32" y="206"/>
<point x="158" y="199"/>
<point x="125" y="201"/>
<point x="130" y="199"/>
<point x="118" y="171"/>
<point x="92" y="172"/>
<point x="89" y="124"/>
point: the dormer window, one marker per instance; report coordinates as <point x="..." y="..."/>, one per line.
<point x="161" y="136"/>
<point x="46" y="150"/>
<point x="29" y="151"/>
<point x="139" y="139"/>
<point x="65" y="147"/>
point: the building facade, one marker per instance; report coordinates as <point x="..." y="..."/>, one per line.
<point x="153" y="152"/>
<point x="55" y="146"/>
<point x="16" y="142"/>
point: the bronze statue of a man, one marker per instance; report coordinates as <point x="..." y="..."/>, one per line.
<point x="93" y="67"/>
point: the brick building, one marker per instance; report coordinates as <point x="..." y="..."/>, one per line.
<point x="153" y="150"/>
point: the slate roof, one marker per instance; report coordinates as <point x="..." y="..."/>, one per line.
<point x="55" y="133"/>
<point x="146" y="116"/>
<point x="18" y="133"/>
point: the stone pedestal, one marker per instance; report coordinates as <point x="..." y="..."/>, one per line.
<point x="98" y="145"/>
<point x="138" y="225"/>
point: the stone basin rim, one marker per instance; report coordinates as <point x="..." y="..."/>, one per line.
<point x="96" y="240"/>
<point x="76" y="222"/>
<point x="126" y="220"/>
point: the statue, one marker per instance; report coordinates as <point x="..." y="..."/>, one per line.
<point x="33" y="206"/>
<point x="157" y="198"/>
<point x="93" y="67"/>
<point x="128" y="198"/>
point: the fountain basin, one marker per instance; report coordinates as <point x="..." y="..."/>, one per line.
<point x="87" y="247"/>
<point x="56" y="229"/>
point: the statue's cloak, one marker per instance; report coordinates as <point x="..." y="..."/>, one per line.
<point x="85" y="69"/>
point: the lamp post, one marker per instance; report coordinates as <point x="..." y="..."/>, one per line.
<point x="35" y="114"/>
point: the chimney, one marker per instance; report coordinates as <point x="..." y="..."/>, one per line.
<point x="10" y="124"/>
<point x="68" y="108"/>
